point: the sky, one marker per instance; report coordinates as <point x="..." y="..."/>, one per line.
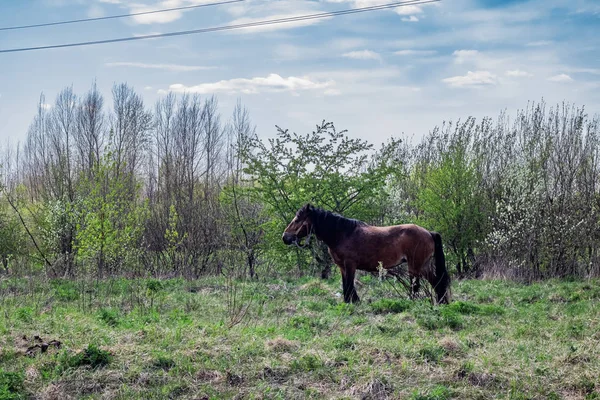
<point x="397" y="72"/>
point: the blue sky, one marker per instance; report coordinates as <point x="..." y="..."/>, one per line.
<point x="377" y="74"/>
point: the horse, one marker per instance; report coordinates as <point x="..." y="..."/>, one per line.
<point x="356" y="245"/>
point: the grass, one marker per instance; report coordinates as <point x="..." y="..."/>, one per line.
<point x="149" y="339"/>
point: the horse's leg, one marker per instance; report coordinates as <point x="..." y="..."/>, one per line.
<point x="415" y="283"/>
<point x="344" y="280"/>
<point x="350" y="295"/>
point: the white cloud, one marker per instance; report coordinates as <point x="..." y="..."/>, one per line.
<point x="363" y="55"/>
<point x="140" y="6"/>
<point x="408" y="10"/>
<point x="461" y="56"/>
<point x="278" y="26"/>
<point x="46" y="106"/>
<point x="412" y="52"/>
<point x="360" y="3"/>
<point x="517" y="73"/>
<point x="367" y="75"/>
<point x="166" y="67"/>
<point x="561" y="78"/>
<point x="148" y="88"/>
<point x="289" y="52"/>
<point x="593" y="71"/>
<point x="95" y="11"/>
<point x="471" y="79"/>
<point x="347" y="43"/>
<point x="155" y="18"/>
<point x="357" y="84"/>
<point x="271" y="83"/>
<point x="136" y="6"/>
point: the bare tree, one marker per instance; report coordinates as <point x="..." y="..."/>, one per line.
<point x="90" y="133"/>
<point x="245" y="215"/>
<point x="130" y="128"/>
<point x="213" y="141"/>
<point x="37" y="153"/>
<point x="62" y="127"/>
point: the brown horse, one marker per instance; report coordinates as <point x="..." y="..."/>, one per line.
<point x="356" y="245"/>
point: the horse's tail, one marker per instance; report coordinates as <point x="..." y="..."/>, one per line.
<point x="442" y="277"/>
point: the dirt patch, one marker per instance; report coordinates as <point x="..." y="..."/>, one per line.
<point x="210" y="376"/>
<point x="451" y="346"/>
<point x="280" y="344"/>
<point x="32" y="373"/>
<point x="276" y="375"/>
<point x="33" y="346"/>
<point x="481" y="379"/>
<point x="373" y="390"/>
<point x="234" y="379"/>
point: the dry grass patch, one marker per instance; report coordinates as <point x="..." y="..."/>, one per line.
<point x="451" y="346"/>
<point x="374" y="389"/>
<point x="281" y="345"/>
<point x="54" y="392"/>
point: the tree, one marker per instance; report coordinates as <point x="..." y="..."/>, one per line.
<point x="245" y="216"/>
<point x="90" y="132"/>
<point x="325" y="167"/>
<point x="110" y="225"/>
<point x="448" y="190"/>
<point x="451" y="205"/>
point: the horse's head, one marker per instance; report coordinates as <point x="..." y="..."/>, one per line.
<point x="300" y="226"/>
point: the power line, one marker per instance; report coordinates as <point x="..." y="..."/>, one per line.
<point x="230" y="27"/>
<point x="75" y="21"/>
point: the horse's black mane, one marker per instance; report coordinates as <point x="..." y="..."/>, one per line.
<point x="329" y="225"/>
<point x="328" y="220"/>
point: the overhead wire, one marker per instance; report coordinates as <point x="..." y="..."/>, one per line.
<point x="254" y="24"/>
<point x="75" y="21"/>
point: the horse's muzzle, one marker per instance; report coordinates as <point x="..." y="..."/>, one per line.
<point x="289" y="238"/>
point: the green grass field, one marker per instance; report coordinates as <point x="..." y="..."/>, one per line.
<point x="148" y="339"/>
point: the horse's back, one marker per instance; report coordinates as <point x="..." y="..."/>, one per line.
<point x="390" y="245"/>
<point x="411" y="230"/>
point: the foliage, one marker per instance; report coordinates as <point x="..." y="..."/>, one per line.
<point x="325" y="167"/>
<point x="109" y="234"/>
<point x="449" y="198"/>
<point x="12" y="238"/>
<point x="11" y="385"/>
<point x="388" y="305"/>
<point x="177" y="192"/>
<point x="92" y="356"/>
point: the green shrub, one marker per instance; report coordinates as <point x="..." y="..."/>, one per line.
<point x="432" y="353"/>
<point x="438" y="318"/>
<point x="92" y="356"/>
<point x="306" y="363"/>
<point x="65" y="290"/>
<point x="109" y="315"/>
<point x="163" y="362"/>
<point x="11" y="385"/>
<point x="463" y="307"/>
<point x="25" y="314"/>
<point x="390" y="306"/>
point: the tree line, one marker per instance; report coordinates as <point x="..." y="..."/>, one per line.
<point x="120" y="188"/>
